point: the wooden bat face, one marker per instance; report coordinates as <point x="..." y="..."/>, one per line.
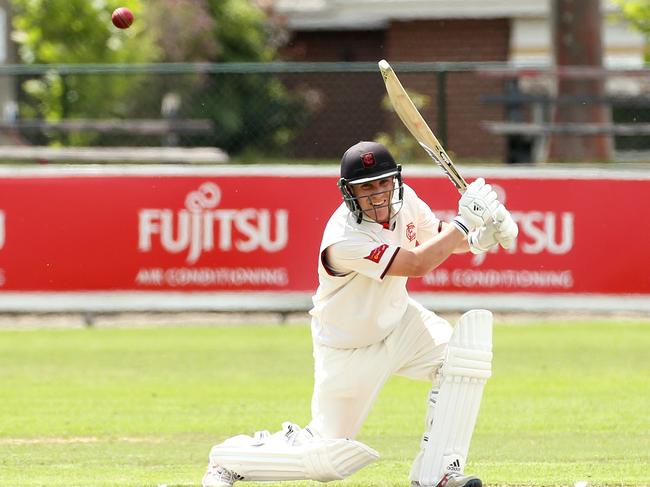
<point x="416" y="125"/>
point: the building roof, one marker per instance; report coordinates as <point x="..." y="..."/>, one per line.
<point x="530" y="37"/>
<point x="357" y="14"/>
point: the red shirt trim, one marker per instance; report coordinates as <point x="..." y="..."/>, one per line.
<point x="390" y="262"/>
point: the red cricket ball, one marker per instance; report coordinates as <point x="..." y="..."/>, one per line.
<point x="122" y="18"/>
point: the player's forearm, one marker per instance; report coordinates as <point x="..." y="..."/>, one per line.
<point x="428" y="256"/>
<point x="463" y="246"/>
<point x="434" y="252"/>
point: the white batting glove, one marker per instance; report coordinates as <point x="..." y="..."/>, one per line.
<point x="506" y="228"/>
<point x="482" y="239"/>
<point x="475" y="207"/>
<point x="502" y="229"/>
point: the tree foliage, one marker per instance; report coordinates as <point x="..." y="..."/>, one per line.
<point x="637" y="12"/>
<point x="77" y="31"/>
<point x="249" y="111"/>
<point x="252" y="112"/>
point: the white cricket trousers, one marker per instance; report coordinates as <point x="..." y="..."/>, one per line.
<point x="347" y="381"/>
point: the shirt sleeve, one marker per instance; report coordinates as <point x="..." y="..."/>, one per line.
<point x="428" y="224"/>
<point x="371" y="259"/>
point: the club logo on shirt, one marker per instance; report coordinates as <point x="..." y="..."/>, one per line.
<point x="377" y="253"/>
<point x="410" y="231"/>
<point x="368" y="159"/>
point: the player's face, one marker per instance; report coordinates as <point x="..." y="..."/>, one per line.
<point x="375" y="197"/>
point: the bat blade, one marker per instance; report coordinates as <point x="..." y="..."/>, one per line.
<point x="417" y="126"/>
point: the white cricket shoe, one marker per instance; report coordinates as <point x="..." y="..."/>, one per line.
<point x="455" y="480"/>
<point x="218" y="476"/>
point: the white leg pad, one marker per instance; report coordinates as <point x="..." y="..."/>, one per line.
<point x="274" y="458"/>
<point x="463" y="375"/>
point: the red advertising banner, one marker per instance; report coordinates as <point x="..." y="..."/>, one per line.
<point x="241" y="230"/>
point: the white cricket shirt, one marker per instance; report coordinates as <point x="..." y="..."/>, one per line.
<point x="356" y="303"/>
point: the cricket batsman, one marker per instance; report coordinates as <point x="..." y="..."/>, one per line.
<point x="365" y="328"/>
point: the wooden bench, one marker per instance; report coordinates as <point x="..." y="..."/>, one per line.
<point x="170" y="128"/>
<point x="522" y="128"/>
<point x="115" y="126"/>
<point x="514" y="99"/>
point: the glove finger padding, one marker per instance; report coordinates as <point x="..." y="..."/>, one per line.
<point x="507" y="229"/>
<point x="476" y="185"/>
<point x="485" y="190"/>
<point x="491" y="198"/>
<point x="507" y="237"/>
<point x="500" y="214"/>
<point x="482" y="239"/>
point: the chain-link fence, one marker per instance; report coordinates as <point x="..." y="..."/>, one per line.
<point x="286" y="110"/>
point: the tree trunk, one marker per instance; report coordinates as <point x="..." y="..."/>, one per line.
<point x="577" y="42"/>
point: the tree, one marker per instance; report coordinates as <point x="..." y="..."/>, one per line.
<point x="577" y="42"/>
<point x="250" y="111"/>
<point x="76" y="31"/>
<point x="637" y="12"/>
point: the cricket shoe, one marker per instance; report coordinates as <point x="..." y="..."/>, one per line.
<point x="454" y="480"/>
<point x="218" y="476"/>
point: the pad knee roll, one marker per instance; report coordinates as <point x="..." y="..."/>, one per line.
<point x="469" y="353"/>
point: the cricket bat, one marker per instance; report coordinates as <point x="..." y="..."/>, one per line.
<point x="419" y="129"/>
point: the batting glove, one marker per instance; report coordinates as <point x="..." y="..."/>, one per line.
<point x="482" y="239"/>
<point x="475" y="207"/>
<point x="506" y="228"/>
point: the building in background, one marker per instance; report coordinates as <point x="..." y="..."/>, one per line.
<point x="517" y="32"/>
<point x="439" y="30"/>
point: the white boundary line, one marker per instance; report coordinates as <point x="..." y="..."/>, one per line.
<point x="142" y="301"/>
<point x="535" y="302"/>
<point x="118" y="301"/>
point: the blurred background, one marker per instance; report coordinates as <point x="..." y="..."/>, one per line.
<point x="177" y="174"/>
<point x="507" y="82"/>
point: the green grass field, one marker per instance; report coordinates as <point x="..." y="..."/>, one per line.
<point x="142" y="406"/>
